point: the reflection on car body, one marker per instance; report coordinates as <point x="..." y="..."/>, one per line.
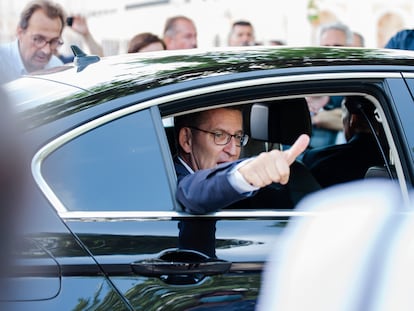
<point x="103" y="188"/>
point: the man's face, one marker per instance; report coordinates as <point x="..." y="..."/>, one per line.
<point x="185" y="37"/>
<point x="40" y="26"/>
<point x="203" y="152"/>
<point x="241" y="36"/>
<point x="333" y="37"/>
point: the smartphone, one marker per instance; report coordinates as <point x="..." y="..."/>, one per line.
<point x="69" y="21"/>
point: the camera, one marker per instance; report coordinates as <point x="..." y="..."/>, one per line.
<point x="69" y="21"/>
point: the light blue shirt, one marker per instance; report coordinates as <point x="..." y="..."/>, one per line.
<point x="11" y="63"/>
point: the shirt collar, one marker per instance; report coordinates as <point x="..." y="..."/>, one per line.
<point x="19" y="61"/>
<point x="186" y="165"/>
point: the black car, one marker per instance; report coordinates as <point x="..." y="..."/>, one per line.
<point x="102" y="226"/>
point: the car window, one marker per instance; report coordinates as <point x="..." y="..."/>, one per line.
<point x="115" y="167"/>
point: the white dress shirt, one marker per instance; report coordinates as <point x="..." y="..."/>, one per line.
<point x="11" y="63"/>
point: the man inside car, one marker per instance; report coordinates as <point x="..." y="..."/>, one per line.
<point x="210" y="174"/>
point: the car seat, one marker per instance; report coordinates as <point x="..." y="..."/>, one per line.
<point x="280" y="123"/>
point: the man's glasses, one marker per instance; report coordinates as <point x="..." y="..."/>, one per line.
<point x="40" y="41"/>
<point x="222" y="138"/>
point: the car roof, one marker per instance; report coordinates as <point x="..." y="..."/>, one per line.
<point x="127" y="74"/>
<point x="141" y="68"/>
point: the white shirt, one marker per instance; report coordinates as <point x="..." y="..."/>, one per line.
<point x="11" y="63"/>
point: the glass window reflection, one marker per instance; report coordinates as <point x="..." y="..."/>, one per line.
<point x="115" y="167"/>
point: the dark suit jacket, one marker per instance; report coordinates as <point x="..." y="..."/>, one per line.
<point x="345" y="162"/>
<point x="198" y="194"/>
<point x="209" y="191"/>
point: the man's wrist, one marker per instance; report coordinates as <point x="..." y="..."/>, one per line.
<point x="238" y="182"/>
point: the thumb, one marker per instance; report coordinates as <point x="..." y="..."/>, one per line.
<point x="297" y="148"/>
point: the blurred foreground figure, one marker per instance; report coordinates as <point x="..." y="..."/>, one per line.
<point x="353" y="255"/>
<point x="11" y="185"/>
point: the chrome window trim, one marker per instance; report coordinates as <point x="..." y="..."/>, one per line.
<point x="408" y="75"/>
<point x="393" y="149"/>
<point x="174" y="215"/>
<point x="63" y="139"/>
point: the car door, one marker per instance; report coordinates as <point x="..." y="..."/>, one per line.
<point x="405" y="109"/>
<point x="113" y="182"/>
<point x="48" y="269"/>
<point x="398" y="111"/>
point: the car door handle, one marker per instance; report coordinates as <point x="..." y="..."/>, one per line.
<point x="181" y="262"/>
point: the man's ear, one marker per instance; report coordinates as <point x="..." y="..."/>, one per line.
<point x="185" y="139"/>
<point x="19" y="31"/>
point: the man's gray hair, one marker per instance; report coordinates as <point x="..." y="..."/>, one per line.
<point x="337" y="26"/>
<point x="170" y="25"/>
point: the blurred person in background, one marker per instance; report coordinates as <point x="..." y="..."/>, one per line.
<point x="80" y="26"/>
<point x="402" y="40"/>
<point x="180" y="33"/>
<point x="358" y="40"/>
<point x="277" y="42"/>
<point x="38" y="37"/>
<point x="335" y="34"/>
<point x="339" y="163"/>
<point x="326" y="110"/>
<point x="145" y="42"/>
<point x="241" y="34"/>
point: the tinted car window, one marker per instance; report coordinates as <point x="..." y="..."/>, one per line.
<point x="117" y="166"/>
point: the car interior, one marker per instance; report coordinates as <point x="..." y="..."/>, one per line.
<point x="276" y="124"/>
<point x="367" y="110"/>
<point x="279" y="123"/>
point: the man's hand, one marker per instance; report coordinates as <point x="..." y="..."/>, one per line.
<point x="329" y="119"/>
<point x="80" y="26"/>
<point x="273" y="166"/>
<point x="316" y="103"/>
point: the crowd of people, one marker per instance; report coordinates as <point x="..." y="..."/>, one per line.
<point x="41" y="24"/>
<point x="39" y="37"/>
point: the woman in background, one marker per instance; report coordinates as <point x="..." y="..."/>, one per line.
<point x="145" y="42"/>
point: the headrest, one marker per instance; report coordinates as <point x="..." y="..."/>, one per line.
<point x="357" y="104"/>
<point x="281" y="121"/>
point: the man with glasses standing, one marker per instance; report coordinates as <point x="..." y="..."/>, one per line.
<point x="38" y="37"/>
